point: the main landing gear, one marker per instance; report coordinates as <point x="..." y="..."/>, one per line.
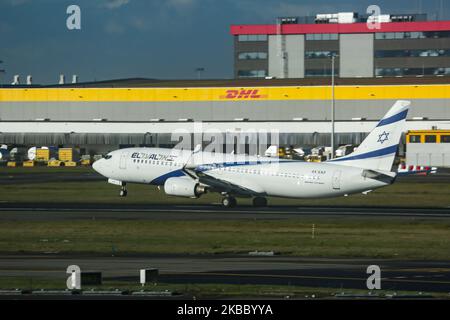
<point x="229" y="202"/>
<point x="123" y="191"/>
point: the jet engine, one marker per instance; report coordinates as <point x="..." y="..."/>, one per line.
<point x="183" y="187"/>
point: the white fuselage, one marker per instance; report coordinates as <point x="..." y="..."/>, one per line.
<point x="263" y="175"/>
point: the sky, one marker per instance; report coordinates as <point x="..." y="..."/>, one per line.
<point x="162" y="39"/>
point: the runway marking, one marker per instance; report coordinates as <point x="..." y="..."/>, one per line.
<point x="311" y="277"/>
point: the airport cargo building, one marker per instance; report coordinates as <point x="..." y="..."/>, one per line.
<point x="104" y="116"/>
<point x="101" y="116"/>
<point x="400" y="45"/>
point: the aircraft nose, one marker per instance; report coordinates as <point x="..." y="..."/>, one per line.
<point x="97" y="165"/>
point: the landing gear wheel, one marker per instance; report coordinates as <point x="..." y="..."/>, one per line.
<point x="123" y="192"/>
<point x="259" y="202"/>
<point x="229" y="202"/>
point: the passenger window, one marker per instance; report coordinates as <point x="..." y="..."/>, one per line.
<point x="445" y="139"/>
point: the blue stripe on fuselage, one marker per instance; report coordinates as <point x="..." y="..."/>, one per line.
<point x="172" y="174"/>
<point x="394" y="118"/>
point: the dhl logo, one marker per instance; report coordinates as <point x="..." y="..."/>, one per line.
<point x="243" y="94"/>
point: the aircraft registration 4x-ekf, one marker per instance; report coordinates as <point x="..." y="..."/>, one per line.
<point x="188" y="173"/>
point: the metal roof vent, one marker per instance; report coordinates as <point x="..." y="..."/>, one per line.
<point x="16" y="80"/>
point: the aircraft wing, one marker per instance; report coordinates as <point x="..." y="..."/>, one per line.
<point x="220" y="185"/>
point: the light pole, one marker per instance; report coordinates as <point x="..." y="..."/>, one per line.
<point x="1" y="71"/>
<point x="199" y="72"/>
<point x="332" y="106"/>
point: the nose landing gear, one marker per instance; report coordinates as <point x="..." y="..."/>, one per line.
<point x="123" y="191"/>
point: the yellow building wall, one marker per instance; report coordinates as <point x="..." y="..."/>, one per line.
<point x="224" y="94"/>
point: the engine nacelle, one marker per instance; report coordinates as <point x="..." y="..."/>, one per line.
<point x="183" y="187"/>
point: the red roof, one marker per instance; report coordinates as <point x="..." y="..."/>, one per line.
<point x="340" y="28"/>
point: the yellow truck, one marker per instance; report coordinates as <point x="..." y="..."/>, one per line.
<point x="68" y="154"/>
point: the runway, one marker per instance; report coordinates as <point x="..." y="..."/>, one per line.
<point x="339" y="274"/>
<point x="55" y="212"/>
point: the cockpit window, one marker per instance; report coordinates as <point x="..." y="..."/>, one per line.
<point x="108" y="156"/>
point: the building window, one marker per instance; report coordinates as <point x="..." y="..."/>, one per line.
<point x="326" y="72"/>
<point x="412" y="35"/>
<point x="252" y="73"/>
<point x="399" y="35"/>
<point x="319" y="54"/>
<point x="252" y="56"/>
<point x="436" y="34"/>
<point x="445" y="139"/>
<point x="252" y="37"/>
<point x="393" y="72"/>
<point x="430" y="139"/>
<point x="412" y="53"/>
<point x="322" y="36"/>
<point x="415" y="35"/>
<point x="414" y="139"/>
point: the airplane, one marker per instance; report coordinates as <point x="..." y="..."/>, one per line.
<point x="187" y="173"/>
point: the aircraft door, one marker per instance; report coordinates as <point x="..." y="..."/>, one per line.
<point x="123" y="160"/>
<point x="337" y="180"/>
